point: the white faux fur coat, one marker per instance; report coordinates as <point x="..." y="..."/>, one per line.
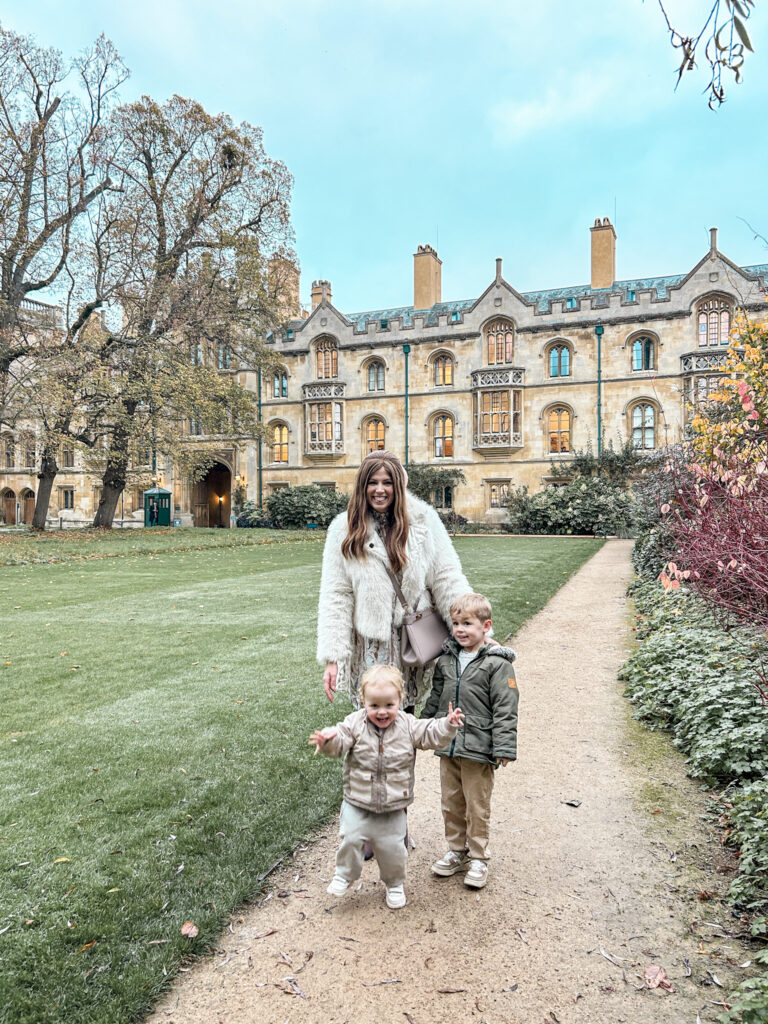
<point x="357" y="594"/>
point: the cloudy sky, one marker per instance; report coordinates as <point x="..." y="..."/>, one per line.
<point x="484" y="128"/>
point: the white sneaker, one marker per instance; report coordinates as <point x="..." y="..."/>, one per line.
<point x="396" y="897"/>
<point x="338" y="886"/>
<point x="449" y="864"/>
<point x="477" y="875"/>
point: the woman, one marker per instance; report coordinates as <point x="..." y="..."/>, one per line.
<point x="359" y="615"/>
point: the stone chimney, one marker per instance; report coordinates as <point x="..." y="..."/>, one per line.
<point x="283" y="280"/>
<point x="321" y="292"/>
<point x="427" y="277"/>
<point x="603" y="253"/>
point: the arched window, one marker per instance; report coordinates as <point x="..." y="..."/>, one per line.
<point x="559" y="428"/>
<point x="327" y="353"/>
<point x="223" y="355"/>
<point x="29" y="451"/>
<point x="374" y="435"/>
<point x="500" y="342"/>
<point x="560" y="361"/>
<point x="714" y="322"/>
<point x="196" y="353"/>
<point x="376" y="375"/>
<point x="644" y="425"/>
<point x="9" y="451"/>
<point x="280" y="443"/>
<point x="280" y="384"/>
<point x="442" y="436"/>
<point x="195" y="426"/>
<point x="643" y="354"/>
<point x="443" y="371"/>
<point x="67" y="456"/>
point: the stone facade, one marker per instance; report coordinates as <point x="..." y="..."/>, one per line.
<point x="500" y="385"/>
<point x="503" y="384"/>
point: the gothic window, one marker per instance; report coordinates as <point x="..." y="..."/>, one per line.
<point x="280" y="443"/>
<point x="559" y="429"/>
<point x="442" y="436"/>
<point x="643" y="354"/>
<point x="223" y="355"/>
<point x="714" y="322"/>
<point x="560" y="361"/>
<point x="67" y="497"/>
<point x="324" y="424"/>
<point x="498" y="493"/>
<point x="9" y="452"/>
<point x="280" y="384"/>
<point x="67" y="456"/>
<point x="376" y="375"/>
<point x="30" y="452"/>
<point x="196" y="353"/>
<point x="442" y="497"/>
<point x="327" y="353"/>
<point x="374" y="435"/>
<point x="195" y="426"/>
<point x="500" y="342"/>
<point x="494" y="412"/>
<point x="644" y="425"/>
<point x="443" y="371"/>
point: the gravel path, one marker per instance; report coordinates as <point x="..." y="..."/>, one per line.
<point x="581" y="900"/>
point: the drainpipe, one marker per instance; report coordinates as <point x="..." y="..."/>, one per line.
<point x="258" y="474"/>
<point x="406" y="350"/>
<point x="599" y="332"/>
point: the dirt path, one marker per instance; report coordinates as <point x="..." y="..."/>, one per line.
<point x="581" y="899"/>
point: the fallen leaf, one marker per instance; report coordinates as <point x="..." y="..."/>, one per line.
<point x="87" y="946"/>
<point x="190" y="930"/>
<point x="61" y="860"/>
<point x="656" y="977"/>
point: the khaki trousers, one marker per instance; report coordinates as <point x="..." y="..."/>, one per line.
<point x="465" y="791"/>
<point x="386" y="834"/>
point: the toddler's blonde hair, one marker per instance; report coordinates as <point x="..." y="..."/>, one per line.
<point x="475" y="605"/>
<point x="382" y="674"/>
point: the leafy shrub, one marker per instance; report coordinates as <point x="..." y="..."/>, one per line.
<point x="695" y="679"/>
<point x="703" y="683"/>
<point x="295" y="507"/>
<point x="429" y="482"/>
<point x="586" y="505"/>
<point x="251" y="514"/>
<point x="452" y="521"/>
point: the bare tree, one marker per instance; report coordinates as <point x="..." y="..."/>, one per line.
<point x="53" y="166"/>
<point x="199" y="213"/>
<point x="722" y="40"/>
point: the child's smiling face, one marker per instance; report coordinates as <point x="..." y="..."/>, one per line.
<point x="468" y="631"/>
<point x="381" y="702"/>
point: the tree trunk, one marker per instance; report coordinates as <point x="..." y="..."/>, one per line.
<point x="113" y="485"/>
<point x="48" y="470"/>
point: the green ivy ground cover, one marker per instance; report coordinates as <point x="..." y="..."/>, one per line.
<point x="696" y="679"/>
<point x="153" y="751"/>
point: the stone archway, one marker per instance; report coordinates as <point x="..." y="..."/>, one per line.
<point x="212" y="497"/>
<point x="27" y="499"/>
<point x="8" y="506"/>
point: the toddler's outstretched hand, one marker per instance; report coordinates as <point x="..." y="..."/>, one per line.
<point x="319" y="736"/>
<point x="455" y="715"/>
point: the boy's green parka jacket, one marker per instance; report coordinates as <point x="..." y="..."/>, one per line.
<point x="487" y="694"/>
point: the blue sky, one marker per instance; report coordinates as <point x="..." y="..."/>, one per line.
<point x="484" y="128"/>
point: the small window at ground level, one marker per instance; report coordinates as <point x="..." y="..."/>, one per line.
<point x="67" y="497"/>
<point x="498" y="493"/>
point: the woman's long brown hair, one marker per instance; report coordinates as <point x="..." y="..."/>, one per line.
<point x="353" y="545"/>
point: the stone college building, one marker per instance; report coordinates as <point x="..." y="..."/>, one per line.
<point x="499" y="385"/>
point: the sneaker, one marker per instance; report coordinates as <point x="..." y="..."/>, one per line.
<point x="396" y="897"/>
<point x="477" y="875"/>
<point x="338" y="886"/>
<point x="450" y="863"/>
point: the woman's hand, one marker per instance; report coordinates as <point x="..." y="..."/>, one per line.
<point x="455" y="715"/>
<point x="329" y="680"/>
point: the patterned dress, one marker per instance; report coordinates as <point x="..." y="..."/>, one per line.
<point x="367" y="652"/>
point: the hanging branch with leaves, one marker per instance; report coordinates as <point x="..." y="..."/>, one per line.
<point x="724" y="38"/>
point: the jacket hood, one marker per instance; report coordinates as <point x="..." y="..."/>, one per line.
<point x="450" y="646"/>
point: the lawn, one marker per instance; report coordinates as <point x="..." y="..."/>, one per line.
<point x="153" y="750"/>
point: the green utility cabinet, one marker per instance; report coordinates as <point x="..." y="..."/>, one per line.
<point x="157" y="507"/>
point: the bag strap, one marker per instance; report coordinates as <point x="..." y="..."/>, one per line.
<point x="398" y="588"/>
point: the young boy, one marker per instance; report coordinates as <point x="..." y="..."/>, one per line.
<point x="480" y="676"/>
<point x="379" y="744"/>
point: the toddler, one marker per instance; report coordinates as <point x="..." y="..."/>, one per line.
<point x="379" y="744"/>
